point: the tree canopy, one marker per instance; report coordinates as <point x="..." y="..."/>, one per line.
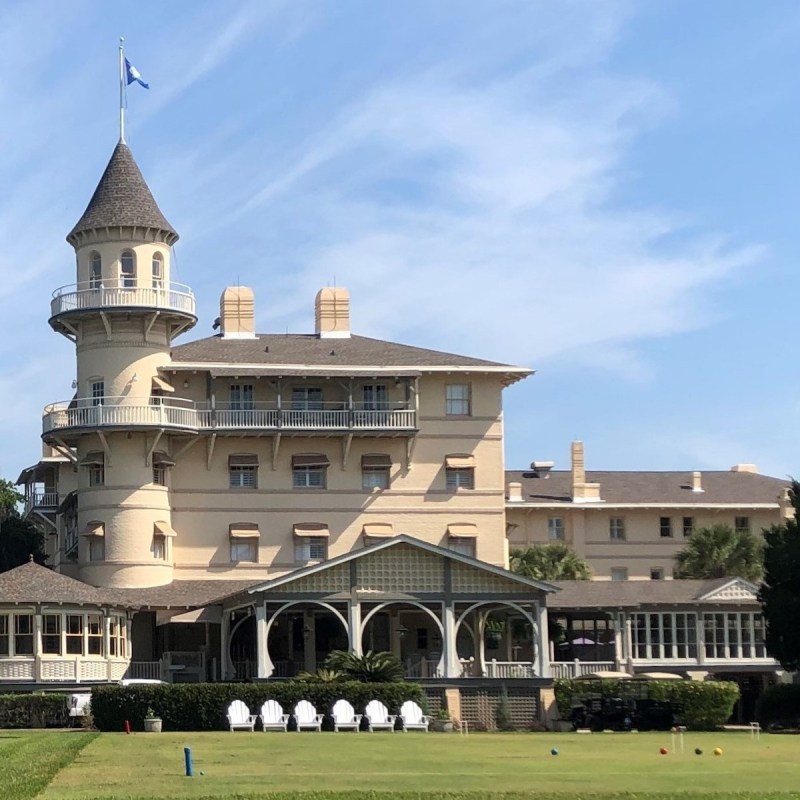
<point x="10" y="499"/>
<point x="19" y="539"/>
<point x="719" y="551"/>
<point x="555" y="561"/>
<point x="780" y="593"/>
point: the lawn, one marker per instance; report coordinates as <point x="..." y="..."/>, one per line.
<point x="395" y="766"/>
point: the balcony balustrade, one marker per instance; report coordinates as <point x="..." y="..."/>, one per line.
<point x="90" y="296"/>
<point x="41" y="501"/>
<point x="126" y="412"/>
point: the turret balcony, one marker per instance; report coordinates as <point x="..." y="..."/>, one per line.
<point x="79" y="298"/>
<point x="174" y="413"/>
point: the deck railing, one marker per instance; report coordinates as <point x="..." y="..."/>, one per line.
<point x="576" y="668"/>
<point x="144" y="670"/>
<point x="41" y="501"/>
<point x="88" y="296"/>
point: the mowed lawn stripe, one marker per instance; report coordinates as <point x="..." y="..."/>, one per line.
<point x="390" y="765"/>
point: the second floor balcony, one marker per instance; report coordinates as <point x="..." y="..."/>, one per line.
<point x="174" y="413"/>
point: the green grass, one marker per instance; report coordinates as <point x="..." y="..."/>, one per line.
<point x="28" y="760"/>
<point x="429" y="767"/>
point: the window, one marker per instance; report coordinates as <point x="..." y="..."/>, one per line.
<point x="97" y="548"/>
<point x="51" y="634"/>
<point x="375" y="397"/>
<point x="616" y="529"/>
<point x="74" y="634"/>
<point x="734" y="635"/>
<point x="463" y="545"/>
<point x="159" y="547"/>
<point x="94" y="462"/>
<point x="688" y="526"/>
<point x="158" y="270"/>
<point x="742" y="524"/>
<point x="244" y="549"/>
<point x="243" y="471"/>
<point x="656" y="574"/>
<point x="665" y="527"/>
<point x="309" y="471"/>
<point x="23" y="634"/>
<point x="159" y="475"/>
<point x="94" y="635"/>
<point x="555" y="529"/>
<point x="664" y="635"/>
<point x="241" y="397"/>
<point x="457" y="400"/>
<point x="97" y="390"/>
<point x="117" y="637"/>
<point x="127" y="269"/>
<point x="619" y="573"/>
<point x="310" y="548"/>
<point x="4" y="642"/>
<point x="375" y="471"/>
<point x="460" y="478"/>
<point x="306" y="399"/>
<point x="95" y="271"/>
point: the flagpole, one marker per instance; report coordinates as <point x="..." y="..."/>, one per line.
<point x="121" y="91"/>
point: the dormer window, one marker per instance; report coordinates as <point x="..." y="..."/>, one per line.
<point x="127" y="269"/>
<point x="95" y="271"/>
<point x="158" y="271"/>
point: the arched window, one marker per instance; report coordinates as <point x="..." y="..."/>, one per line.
<point x="95" y="271"/>
<point x="127" y="269"/>
<point x="158" y="271"/>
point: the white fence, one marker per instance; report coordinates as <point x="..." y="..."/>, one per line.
<point x="576" y="668"/>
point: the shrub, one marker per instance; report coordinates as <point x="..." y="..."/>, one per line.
<point x="202" y="706"/>
<point x="370" y="667"/>
<point x="502" y="712"/>
<point x="33" y="711"/>
<point x="779" y="706"/>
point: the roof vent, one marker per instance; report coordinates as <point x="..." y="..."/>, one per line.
<point x="541" y="469"/>
<point x="332" y="313"/>
<point x="697" y="482"/>
<point x="237" y="313"/>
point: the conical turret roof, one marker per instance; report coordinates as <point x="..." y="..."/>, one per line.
<point x="122" y="198"/>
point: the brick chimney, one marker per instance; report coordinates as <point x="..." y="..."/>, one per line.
<point x="582" y="492"/>
<point x="237" y="313"/>
<point x="332" y="313"/>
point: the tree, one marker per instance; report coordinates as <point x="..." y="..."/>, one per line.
<point x="10" y="499"/>
<point x="780" y="593"/>
<point x="20" y="540"/>
<point x="721" y="552"/>
<point x="554" y="561"/>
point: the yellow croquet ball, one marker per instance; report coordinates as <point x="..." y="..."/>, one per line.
<point x="717" y="751"/>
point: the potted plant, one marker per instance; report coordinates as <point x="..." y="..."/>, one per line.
<point x="152" y="723"/>
<point x="442" y="722"/>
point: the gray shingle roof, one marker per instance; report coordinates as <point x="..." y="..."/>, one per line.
<point x="311" y="350"/>
<point x="182" y="594"/>
<point x="33" y="583"/>
<point x="122" y="198"/>
<point x="720" y="486"/>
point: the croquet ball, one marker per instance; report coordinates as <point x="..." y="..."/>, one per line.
<point x="553" y="751"/>
<point x="698" y="751"/>
<point x="202" y="773"/>
<point x="717" y="751"/>
<point x="663" y="751"/>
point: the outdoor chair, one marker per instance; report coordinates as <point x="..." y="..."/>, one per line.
<point x="378" y="716"/>
<point x="272" y="716"/>
<point x="413" y="718"/>
<point x="345" y="717"/>
<point x="239" y="716"/>
<point x="306" y="717"/>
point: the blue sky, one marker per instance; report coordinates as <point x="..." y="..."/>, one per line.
<point x="604" y="191"/>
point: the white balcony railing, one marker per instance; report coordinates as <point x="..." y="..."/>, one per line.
<point x="144" y="670"/>
<point x="41" y="501"/>
<point x="175" y="413"/>
<point x="574" y="669"/>
<point x="87" y="296"/>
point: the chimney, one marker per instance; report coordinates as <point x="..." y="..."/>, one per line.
<point x="514" y="492"/>
<point x="332" y="313"/>
<point x="237" y="313"/>
<point x="697" y="482"/>
<point x="751" y="468"/>
<point x="582" y="492"/>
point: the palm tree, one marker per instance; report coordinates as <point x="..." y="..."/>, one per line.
<point x="554" y="561"/>
<point x="721" y="552"/>
<point x="368" y="668"/>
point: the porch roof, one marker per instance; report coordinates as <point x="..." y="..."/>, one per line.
<point x="33" y="583"/>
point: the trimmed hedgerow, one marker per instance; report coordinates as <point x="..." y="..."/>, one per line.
<point x="699" y="705"/>
<point x="202" y="706"/>
<point x="33" y="711"/>
<point x="779" y="707"/>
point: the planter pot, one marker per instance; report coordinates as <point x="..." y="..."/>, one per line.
<point x="152" y="726"/>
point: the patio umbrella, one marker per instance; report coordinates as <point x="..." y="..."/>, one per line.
<point x="657" y="676"/>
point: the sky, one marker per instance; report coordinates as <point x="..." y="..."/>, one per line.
<point x="605" y="192"/>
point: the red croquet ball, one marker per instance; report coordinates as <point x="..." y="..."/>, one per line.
<point x="663" y="751"/>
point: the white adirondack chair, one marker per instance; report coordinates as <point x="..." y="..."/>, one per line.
<point x="379" y="717"/>
<point x="272" y="716"/>
<point x="413" y="718"/>
<point x="345" y="717"/>
<point x="239" y="716"/>
<point x="307" y="717"/>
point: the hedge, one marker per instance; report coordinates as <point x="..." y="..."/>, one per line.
<point x="699" y="705"/>
<point x="33" y="711"/>
<point x="202" y="706"/>
<point x="779" y="706"/>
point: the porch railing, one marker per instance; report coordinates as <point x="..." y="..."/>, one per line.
<point x="509" y="669"/>
<point x="576" y="668"/>
<point x="86" y="296"/>
<point x="144" y="670"/>
<point x="422" y="668"/>
<point x="41" y="500"/>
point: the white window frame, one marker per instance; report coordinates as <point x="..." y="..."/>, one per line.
<point x="157" y="269"/>
<point x="307" y="398"/>
<point x="52" y="635"/>
<point x="616" y="529"/>
<point x="96" y="547"/>
<point x="118" y="637"/>
<point x="159" y="547"/>
<point x="457" y="478"/>
<point x="741" y="524"/>
<point x="665" y="527"/>
<point x="97" y="391"/>
<point x="159" y="475"/>
<point x="688" y="526"/>
<point x="309" y="477"/>
<point x="555" y="529"/>
<point x="17" y="634"/>
<point x="375" y="397"/>
<point x="310" y="549"/>
<point x="127" y="269"/>
<point x="241" y="397"/>
<point x="95" y="270"/>
<point x="622" y="572"/>
<point x="664" y="636"/>
<point x="97" y="474"/>
<point x="244" y="550"/>
<point x="464" y="545"/>
<point x="458" y="399"/>
<point x="243" y="476"/>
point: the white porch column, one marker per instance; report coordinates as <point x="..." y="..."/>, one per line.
<point x="107" y="643"/>
<point x="700" y="636"/>
<point x="37" y="645"/>
<point x="354" y="626"/>
<point x="628" y="642"/>
<point x="542" y="647"/>
<point x="480" y="628"/>
<point x="264" y="666"/>
<point x="449" y="665"/>
<point x="619" y="643"/>
<point x="224" y="642"/>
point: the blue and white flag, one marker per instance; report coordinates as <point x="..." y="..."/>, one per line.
<point x="132" y="74"/>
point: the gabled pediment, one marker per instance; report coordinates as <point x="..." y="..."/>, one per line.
<point x="734" y="590"/>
